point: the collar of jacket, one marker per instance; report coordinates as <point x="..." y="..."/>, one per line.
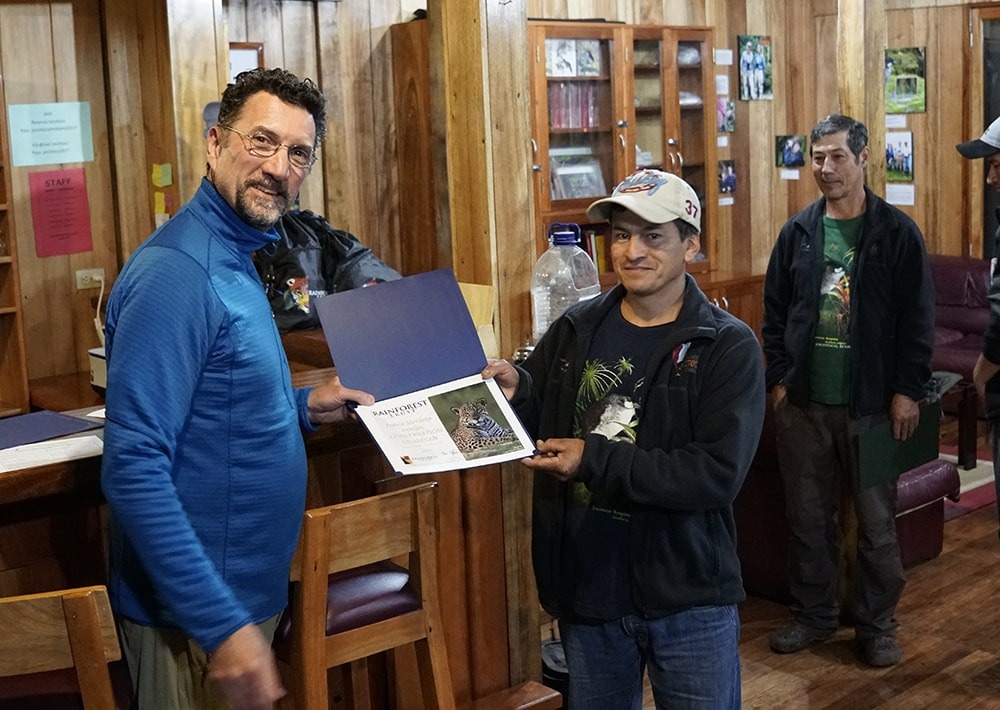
<point x="877" y="219"/>
<point x="695" y="320"/>
<point x="228" y="225"/>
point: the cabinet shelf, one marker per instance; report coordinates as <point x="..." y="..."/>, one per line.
<point x="581" y="129"/>
<point x="576" y="79"/>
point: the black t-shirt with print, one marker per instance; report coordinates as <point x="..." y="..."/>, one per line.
<point x="609" y="391"/>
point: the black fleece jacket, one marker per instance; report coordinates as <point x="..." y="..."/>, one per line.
<point x="991" y="338"/>
<point x="891" y="330"/>
<point x="698" y="431"/>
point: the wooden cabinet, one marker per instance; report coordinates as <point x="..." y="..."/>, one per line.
<point x="13" y="364"/>
<point x="609" y="98"/>
<point x="740" y="294"/>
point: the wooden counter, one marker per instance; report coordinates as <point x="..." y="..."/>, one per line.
<point x="52" y="517"/>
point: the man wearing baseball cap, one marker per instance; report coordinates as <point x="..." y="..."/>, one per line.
<point x="984" y="374"/>
<point x="647" y="403"/>
<point x="848" y="331"/>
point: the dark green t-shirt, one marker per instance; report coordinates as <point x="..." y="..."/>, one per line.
<point x="830" y="364"/>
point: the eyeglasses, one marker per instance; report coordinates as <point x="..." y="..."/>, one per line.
<point x="263" y="146"/>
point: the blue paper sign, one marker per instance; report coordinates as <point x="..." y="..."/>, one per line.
<point x="46" y="134"/>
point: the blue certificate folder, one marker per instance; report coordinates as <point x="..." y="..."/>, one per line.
<point x="39" y="426"/>
<point x="402" y="336"/>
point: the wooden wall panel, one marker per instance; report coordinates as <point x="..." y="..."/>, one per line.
<point x="58" y="319"/>
<point x="383" y="229"/>
<point x="345" y="72"/>
<point x="133" y="194"/>
<point x="198" y="79"/>
<point x="937" y="165"/>
<point x="296" y="48"/>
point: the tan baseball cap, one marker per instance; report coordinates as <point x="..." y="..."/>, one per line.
<point x="984" y="146"/>
<point x="656" y="196"/>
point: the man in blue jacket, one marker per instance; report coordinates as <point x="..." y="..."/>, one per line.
<point x="848" y="331"/>
<point x="984" y="374"/>
<point x="648" y="403"/>
<point x="204" y="463"/>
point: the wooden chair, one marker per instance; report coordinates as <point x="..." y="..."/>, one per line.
<point x="351" y="600"/>
<point x="52" y="631"/>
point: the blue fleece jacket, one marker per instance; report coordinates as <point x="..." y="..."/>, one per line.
<point x="204" y="464"/>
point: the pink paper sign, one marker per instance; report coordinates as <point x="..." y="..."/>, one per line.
<point x="60" y="211"/>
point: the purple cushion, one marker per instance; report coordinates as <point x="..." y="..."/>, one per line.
<point x="946" y="336"/>
<point x="925" y="484"/>
<point x="361" y="596"/>
<point x="962" y="319"/>
<point x="959" y="281"/>
<point x="59" y="690"/>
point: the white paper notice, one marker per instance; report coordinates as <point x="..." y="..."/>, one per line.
<point x="51" y="451"/>
<point x="789" y="174"/>
<point x="895" y="120"/>
<point x="722" y="84"/>
<point x="899" y="194"/>
<point x="724" y="57"/>
<point x="722" y="141"/>
<point x="724" y="201"/>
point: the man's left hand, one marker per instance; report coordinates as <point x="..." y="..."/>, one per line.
<point x="328" y="402"/>
<point x="558" y="457"/>
<point x="905" y="414"/>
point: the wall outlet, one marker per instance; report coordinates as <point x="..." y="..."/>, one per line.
<point x="89" y="278"/>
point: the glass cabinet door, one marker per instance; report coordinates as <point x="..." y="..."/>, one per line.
<point x="673" y="107"/>
<point x="580" y="154"/>
<point x="649" y="134"/>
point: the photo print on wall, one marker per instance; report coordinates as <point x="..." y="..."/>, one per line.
<point x="727" y="177"/>
<point x="755" y="67"/>
<point x="725" y="115"/>
<point x="899" y="156"/>
<point x="790" y="151"/>
<point x="905" y="80"/>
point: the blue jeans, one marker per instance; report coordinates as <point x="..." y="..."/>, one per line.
<point x="692" y="657"/>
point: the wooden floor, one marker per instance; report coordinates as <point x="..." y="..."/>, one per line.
<point x="949" y="629"/>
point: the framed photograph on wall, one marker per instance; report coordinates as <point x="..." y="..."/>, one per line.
<point x="244" y="56"/>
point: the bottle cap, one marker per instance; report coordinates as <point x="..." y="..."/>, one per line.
<point x="561" y="233"/>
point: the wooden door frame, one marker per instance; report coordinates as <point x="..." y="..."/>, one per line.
<point x="973" y="194"/>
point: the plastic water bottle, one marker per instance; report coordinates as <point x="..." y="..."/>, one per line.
<point x="565" y="274"/>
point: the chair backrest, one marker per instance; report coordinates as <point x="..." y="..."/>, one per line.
<point x="358" y="541"/>
<point x="71" y="628"/>
<point x="357" y="533"/>
<point x="397" y="526"/>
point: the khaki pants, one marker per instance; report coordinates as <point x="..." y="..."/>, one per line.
<point x="169" y="670"/>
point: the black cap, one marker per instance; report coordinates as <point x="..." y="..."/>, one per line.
<point x="982" y="147"/>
